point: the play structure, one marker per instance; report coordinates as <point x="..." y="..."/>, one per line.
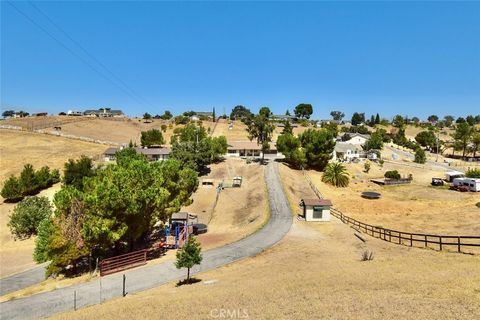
<point x="178" y="230"/>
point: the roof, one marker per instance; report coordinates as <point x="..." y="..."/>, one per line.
<point x="454" y="173"/>
<point x="345" y="146"/>
<point x="317" y="202"/>
<point x="153" y="151"/>
<point x="240" y="145"/>
<point x="356" y="134"/>
<point x="145" y="151"/>
<point x="183" y="216"/>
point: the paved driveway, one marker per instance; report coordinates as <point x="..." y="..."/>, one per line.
<point x="49" y="303"/>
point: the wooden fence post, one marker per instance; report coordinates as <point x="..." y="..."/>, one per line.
<point x="459" y="245"/>
<point x="440" y="242"/>
<point x="426" y="243"/>
<point x="411" y="240"/>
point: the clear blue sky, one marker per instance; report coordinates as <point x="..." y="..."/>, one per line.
<point x="407" y="58"/>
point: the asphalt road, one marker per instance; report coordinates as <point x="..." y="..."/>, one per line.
<point x="105" y="288"/>
<point x="23" y="279"/>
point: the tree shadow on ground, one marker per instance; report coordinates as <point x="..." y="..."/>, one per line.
<point x="188" y="281"/>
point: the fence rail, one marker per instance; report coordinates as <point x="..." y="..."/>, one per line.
<point x="409" y="238"/>
<point x="123" y="262"/>
<point x="441" y="242"/>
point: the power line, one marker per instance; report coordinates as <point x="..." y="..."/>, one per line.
<point x="72" y="52"/>
<point x="88" y="53"/>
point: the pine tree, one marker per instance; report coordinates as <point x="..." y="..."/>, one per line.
<point x="189" y="255"/>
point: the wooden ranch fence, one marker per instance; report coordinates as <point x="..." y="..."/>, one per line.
<point x="440" y="242"/>
<point x="123" y="262"/>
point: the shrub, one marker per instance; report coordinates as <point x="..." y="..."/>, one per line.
<point x="473" y="173"/>
<point x="478" y="204"/>
<point x="392" y="174"/>
<point x="44" y="230"/>
<point x="27" y="215"/>
<point x="75" y="171"/>
<point x="381" y="162"/>
<point x="11" y="191"/>
<point x="367" y="255"/>
<point x="420" y="156"/>
<point x="164" y="127"/>
<point x="28" y="181"/>
<point x="366" y="167"/>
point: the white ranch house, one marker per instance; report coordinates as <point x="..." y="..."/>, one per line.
<point x="152" y="154"/>
<point x="346" y="151"/>
<point x="357" y="139"/>
<point x="246" y="148"/>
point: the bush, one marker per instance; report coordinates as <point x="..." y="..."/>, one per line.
<point x="27" y="215"/>
<point x="478" y="204"/>
<point x="420" y="156"/>
<point x="366" y="167"/>
<point x="44" y="230"/>
<point x="75" y="171"/>
<point x="11" y="191"/>
<point x="164" y="127"/>
<point x="28" y="181"/>
<point x="392" y="175"/>
<point x="473" y="173"/>
<point x="367" y="255"/>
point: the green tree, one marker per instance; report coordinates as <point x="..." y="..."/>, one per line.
<point x="398" y="121"/>
<point x="27" y="215"/>
<point x="75" y="170"/>
<point x="393" y="174"/>
<point x="265" y="111"/>
<point x="470" y="120"/>
<point x="167" y="115"/>
<point x="318" y="146"/>
<point x="448" y="120"/>
<point x="152" y="137"/>
<point x="358" y="118"/>
<point x="164" y="127"/>
<point x="28" y="181"/>
<point x="287" y="128"/>
<point x="213" y="115"/>
<point x="44" y="231"/>
<point x="473" y="173"/>
<point x="377" y="119"/>
<point x="463" y="134"/>
<point x="475" y="143"/>
<point x="374" y="142"/>
<point x="332" y="127"/>
<point x="337" y="115"/>
<point x="336" y="174"/>
<point x="426" y="139"/>
<point x="12" y="191"/>
<point x="303" y="110"/>
<point x="420" y="156"/>
<point x="433" y="118"/>
<point x="261" y="129"/>
<point x="288" y="144"/>
<point x="189" y="255"/>
<point x="240" y="113"/>
<point x="147" y="116"/>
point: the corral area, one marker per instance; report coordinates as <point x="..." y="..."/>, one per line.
<point x="416" y="207"/>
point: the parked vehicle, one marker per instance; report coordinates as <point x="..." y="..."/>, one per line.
<point x="437" y="182"/>
<point x="467" y="184"/>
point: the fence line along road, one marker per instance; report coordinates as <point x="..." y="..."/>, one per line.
<point x="441" y="242"/>
<point x="100" y="289"/>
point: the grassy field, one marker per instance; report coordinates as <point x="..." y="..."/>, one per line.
<point x="416" y="207"/>
<point x="18" y="148"/>
<point x="316" y="273"/>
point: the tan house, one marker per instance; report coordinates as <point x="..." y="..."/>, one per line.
<point x="248" y="148"/>
<point x="316" y="209"/>
<point x="152" y="154"/>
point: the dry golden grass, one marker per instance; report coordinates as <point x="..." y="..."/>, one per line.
<point x="16" y="255"/>
<point x="417" y="207"/>
<point x="18" y="148"/>
<point x="316" y="273"/>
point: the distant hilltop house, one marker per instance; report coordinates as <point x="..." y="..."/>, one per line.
<point x="104" y="112"/>
<point x="357" y="139"/>
<point x="345" y="151"/>
<point x="152" y="154"/>
<point x="248" y="148"/>
<point x="40" y="114"/>
<point x="202" y="116"/>
<point x="74" y="113"/>
<point x="281" y="117"/>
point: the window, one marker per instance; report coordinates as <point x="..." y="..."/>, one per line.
<point x="317" y="212"/>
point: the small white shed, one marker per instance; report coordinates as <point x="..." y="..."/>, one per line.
<point x="316" y="209"/>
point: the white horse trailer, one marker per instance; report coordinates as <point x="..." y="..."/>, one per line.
<point x="472" y="183"/>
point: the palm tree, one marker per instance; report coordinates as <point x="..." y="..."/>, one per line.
<point x="336" y="174"/>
